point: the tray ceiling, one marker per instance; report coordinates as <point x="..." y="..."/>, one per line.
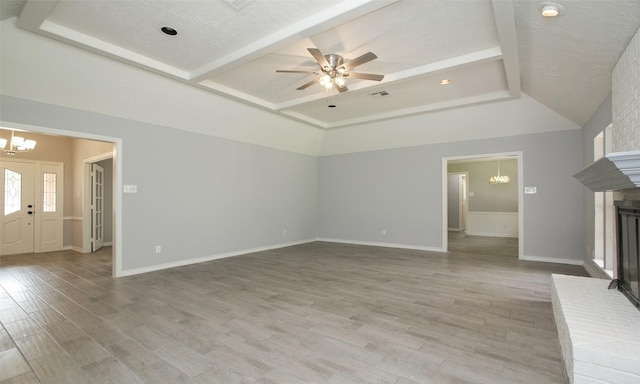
<point x="490" y="50"/>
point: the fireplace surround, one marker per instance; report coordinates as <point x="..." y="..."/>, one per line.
<point x="598" y="328"/>
<point x="628" y="255"/>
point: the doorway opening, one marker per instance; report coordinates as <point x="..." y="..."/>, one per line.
<point x="480" y="207"/>
<point x="116" y="159"/>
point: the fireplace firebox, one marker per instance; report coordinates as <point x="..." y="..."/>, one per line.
<point x="628" y="233"/>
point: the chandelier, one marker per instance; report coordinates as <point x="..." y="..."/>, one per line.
<point x="499" y="179"/>
<point x="16" y="144"/>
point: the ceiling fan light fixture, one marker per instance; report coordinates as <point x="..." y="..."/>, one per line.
<point x="325" y="81"/>
<point x="339" y="81"/>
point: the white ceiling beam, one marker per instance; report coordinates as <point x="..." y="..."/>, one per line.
<point x="506" y="28"/>
<point x="34" y="13"/>
<point x="104" y="48"/>
<point x="34" y="18"/>
<point x="235" y="94"/>
<point x="322" y="21"/>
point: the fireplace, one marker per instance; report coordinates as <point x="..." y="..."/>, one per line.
<point x="628" y="241"/>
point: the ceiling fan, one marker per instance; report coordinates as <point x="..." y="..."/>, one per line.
<point x="334" y="71"/>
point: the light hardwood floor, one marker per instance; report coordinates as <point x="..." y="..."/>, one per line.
<point x="314" y="313"/>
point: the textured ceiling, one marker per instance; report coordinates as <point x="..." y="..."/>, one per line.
<point x="491" y="50"/>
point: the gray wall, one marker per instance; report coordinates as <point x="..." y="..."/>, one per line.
<point x="490" y="197"/>
<point x="197" y="195"/>
<point x="400" y="190"/>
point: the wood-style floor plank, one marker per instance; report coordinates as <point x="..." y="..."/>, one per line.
<point x="316" y="313"/>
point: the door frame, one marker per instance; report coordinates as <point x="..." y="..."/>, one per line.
<point x="521" y="213"/>
<point x="117" y="179"/>
<point x="86" y="198"/>
<point x="462" y="208"/>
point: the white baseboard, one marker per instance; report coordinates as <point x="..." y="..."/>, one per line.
<point x="72" y="248"/>
<point x="181" y="263"/>
<point x="387" y="245"/>
<point x="552" y="260"/>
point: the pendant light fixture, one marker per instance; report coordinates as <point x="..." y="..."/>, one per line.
<point x="499" y="179"/>
<point x="16" y="144"/>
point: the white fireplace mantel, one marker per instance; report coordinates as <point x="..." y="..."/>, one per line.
<point x="614" y="172"/>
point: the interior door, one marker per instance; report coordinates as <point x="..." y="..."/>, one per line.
<point x="97" y="207"/>
<point x="17" y="208"/>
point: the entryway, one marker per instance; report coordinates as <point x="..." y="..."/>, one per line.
<point x="75" y="225"/>
<point x="482" y="197"/>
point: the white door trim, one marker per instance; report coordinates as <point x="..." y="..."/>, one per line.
<point x="117" y="179"/>
<point x="521" y="213"/>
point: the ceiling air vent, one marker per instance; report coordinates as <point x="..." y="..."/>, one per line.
<point x="380" y="94"/>
<point x="238" y="4"/>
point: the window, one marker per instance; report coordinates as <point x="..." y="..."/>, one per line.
<point x="12" y="191"/>
<point x="49" y="192"/>
<point x="604" y="246"/>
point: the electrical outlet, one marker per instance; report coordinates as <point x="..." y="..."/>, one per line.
<point x="284" y="233"/>
<point x="383" y="232"/>
<point x="158" y="248"/>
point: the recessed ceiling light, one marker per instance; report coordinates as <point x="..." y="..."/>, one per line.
<point x="169" y="30"/>
<point x="444" y="82"/>
<point x="550" y="9"/>
<point x="331" y="105"/>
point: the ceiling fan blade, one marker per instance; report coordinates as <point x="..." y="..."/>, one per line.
<point x="292" y="71"/>
<point x="307" y="85"/>
<point x="319" y="57"/>
<point x="367" y="57"/>
<point x="364" y="76"/>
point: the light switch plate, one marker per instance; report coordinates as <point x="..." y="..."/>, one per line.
<point x="530" y="190"/>
<point x="127" y="188"/>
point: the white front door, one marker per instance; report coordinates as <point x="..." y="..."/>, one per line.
<point x="97" y="207"/>
<point x="17" y="208"/>
<point x="49" y="197"/>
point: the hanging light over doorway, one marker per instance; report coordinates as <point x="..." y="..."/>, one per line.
<point x="16" y="144"/>
<point x="499" y="179"/>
